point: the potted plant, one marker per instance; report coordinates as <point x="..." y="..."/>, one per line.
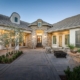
<point x="71" y="46"/>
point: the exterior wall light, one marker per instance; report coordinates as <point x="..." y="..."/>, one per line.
<point x="33" y="36"/>
<point x="45" y="36"/>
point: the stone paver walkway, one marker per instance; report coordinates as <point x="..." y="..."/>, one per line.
<point x="34" y="64"/>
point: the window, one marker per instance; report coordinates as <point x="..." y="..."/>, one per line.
<point x="39" y="24"/>
<point x="67" y="39"/>
<point x="78" y="38"/>
<point x="16" y="19"/>
<point x="54" y="39"/>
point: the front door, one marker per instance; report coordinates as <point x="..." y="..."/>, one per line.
<point x="60" y="41"/>
<point x="39" y="41"/>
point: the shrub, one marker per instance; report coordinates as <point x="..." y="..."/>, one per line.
<point x="78" y="50"/>
<point x="73" y="75"/>
<point x="13" y="55"/>
<point x="71" y="46"/>
<point x="3" y="56"/>
<point x="0" y="58"/>
<point x="4" y="60"/>
<point x="7" y="54"/>
<point x="10" y="60"/>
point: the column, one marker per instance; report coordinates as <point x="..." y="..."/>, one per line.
<point x="45" y="39"/>
<point x="16" y="41"/>
<point x="33" y="39"/>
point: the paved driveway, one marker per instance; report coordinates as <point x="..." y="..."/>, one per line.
<point x="34" y="64"/>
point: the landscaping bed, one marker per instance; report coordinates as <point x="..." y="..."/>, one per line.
<point x="10" y="56"/>
<point x="71" y="74"/>
<point x="60" y="54"/>
<point x="63" y="77"/>
<point x="75" y="56"/>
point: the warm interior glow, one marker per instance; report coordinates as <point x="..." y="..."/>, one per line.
<point x="61" y="32"/>
<point x="39" y="32"/>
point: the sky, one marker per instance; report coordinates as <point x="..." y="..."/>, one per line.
<point x="50" y="11"/>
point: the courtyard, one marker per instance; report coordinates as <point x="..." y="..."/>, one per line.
<point x="36" y="64"/>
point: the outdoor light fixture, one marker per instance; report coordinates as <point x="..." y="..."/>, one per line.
<point x="33" y="36"/>
<point x="45" y="36"/>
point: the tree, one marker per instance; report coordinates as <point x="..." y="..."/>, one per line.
<point x="5" y="40"/>
<point x="14" y="35"/>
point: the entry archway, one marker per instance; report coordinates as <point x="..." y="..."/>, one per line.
<point x="39" y="34"/>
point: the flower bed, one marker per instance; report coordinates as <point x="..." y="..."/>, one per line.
<point x="10" y="56"/>
<point x="60" y="54"/>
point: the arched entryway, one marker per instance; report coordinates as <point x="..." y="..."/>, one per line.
<point x="39" y="34"/>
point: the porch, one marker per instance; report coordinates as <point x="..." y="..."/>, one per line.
<point x="60" y="38"/>
<point x="9" y="39"/>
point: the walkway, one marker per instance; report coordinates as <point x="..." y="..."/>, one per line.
<point x="34" y="64"/>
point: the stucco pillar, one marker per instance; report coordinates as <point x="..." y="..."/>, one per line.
<point x="16" y="41"/>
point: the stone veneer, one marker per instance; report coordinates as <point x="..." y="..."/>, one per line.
<point x="29" y="41"/>
<point x="49" y="39"/>
<point x="32" y="38"/>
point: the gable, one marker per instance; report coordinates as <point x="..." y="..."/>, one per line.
<point x="35" y="23"/>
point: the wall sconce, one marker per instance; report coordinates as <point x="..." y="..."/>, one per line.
<point x="33" y="36"/>
<point x="45" y="36"/>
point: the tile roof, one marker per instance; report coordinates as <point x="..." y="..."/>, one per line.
<point x="68" y="23"/>
<point x="5" y="21"/>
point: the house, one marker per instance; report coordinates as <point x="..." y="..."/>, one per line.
<point x="66" y="32"/>
<point x="40" y="33"/>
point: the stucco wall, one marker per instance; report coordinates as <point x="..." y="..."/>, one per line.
<point x="13" y="16"/>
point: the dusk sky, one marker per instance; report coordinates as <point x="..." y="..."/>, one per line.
<point x="50" y="11"/>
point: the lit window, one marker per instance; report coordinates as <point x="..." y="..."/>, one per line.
<point x="39" y="24"/>
<point x="16" y="19"/>
<point x="54" y="39"/>
<point x="66" y="39"/>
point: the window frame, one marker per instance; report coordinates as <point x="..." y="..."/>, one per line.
<point x="68" y="41"/>
<point x="54" y="39"/>
<point x="15" y="19"/>
<point x="77" y="38"/>
<point x="39" y="24"/>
